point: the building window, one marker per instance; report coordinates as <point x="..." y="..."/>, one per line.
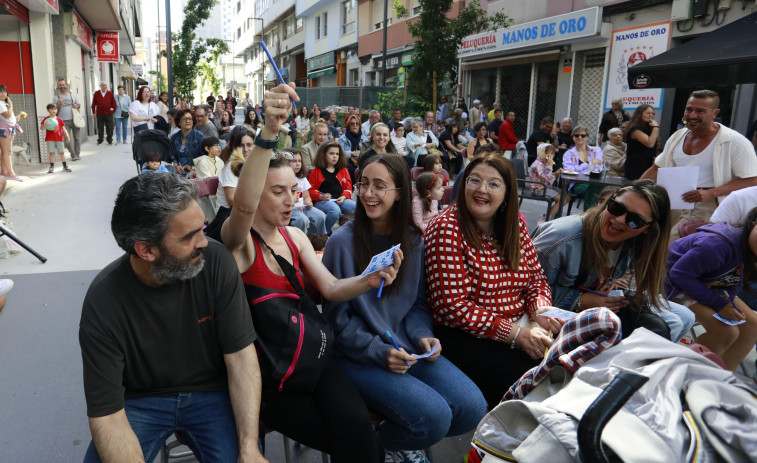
<point x="289" y="26"/>
<point x="239" y="32"/>
<point x="348" y="16"/>
<point x="317" y="27"/>
<point x="416" y="10"/>
<point x="325" y="24"/>
<point x="239" y="6"/>
<point x="377" y="26"/>
<point x="299" y="24"/>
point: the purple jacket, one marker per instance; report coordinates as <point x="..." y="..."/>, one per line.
<point x="707" y="256"/>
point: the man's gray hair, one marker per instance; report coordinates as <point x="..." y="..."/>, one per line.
<point x="145" y="207"/>
<point x="205" y="107"/>
<point x="617" y="100"/>
<point x="566" y="119"/>
<point x="374" y="111"/>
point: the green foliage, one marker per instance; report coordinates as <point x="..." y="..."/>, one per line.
<point x="416" y="104"/>
<point x="161" y="79"/>
<point x="209" y="77"/>
<point x="188" y="50"/>
<point x="438" y="38"/>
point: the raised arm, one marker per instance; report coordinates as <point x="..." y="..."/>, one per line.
<point x="236" y="229"/>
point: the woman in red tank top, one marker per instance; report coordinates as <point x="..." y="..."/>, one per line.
<point x="333" y="418"/>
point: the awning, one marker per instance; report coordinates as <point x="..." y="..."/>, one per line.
<point x="321" y="72"/>
<point x="724" y="56"/>
<point x="127" y="72"/>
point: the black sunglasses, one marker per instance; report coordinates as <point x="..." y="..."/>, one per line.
<point x="633" y="219"/>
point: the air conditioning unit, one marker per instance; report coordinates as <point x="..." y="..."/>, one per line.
<point x="680" y="10"/>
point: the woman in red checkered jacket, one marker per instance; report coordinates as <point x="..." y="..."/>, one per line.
<point x="482" y="275"/>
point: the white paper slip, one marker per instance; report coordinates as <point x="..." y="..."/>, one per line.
<point x="728" y="321"/>
<point x="434" y="348"/>
<point x="559" y="314"/>
<point x="380" y="260"/>
<point x="678" y="180"/>
<point x="616" y="293"/>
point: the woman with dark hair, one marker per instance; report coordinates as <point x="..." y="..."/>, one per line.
<point x="484" y="279"/>
<point x="163" y="104"/>
<point x="422" y="401"/>
<point x="251" y="121"/>
<point x="225" y="125"/>
<point x="142" y="111"/>
<point x="481" y="139"/>
<point x="330" y="183"/>
<point x="331" y="417"/>
<point x="186" y="142"/>
<point x="316" y="117"/>
<point x="350" y="141"/>
<point x="704" y="271"/>
<point x="302" y="126"/>
<point x="380" y="141"/>
<point x="449" y="145"/>
<point x="641" y="136"/>
<point x="587" y="256"/>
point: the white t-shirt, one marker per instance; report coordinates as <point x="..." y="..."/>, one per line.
<point x="400" y="143"/>
<point x="3" y="108"/>
<point x="151" y="110"/>
<point x="302" y="189"/>
<point x="734" y="208"/>
<point x="225" y="179"/>
<point x="703" y="160"/>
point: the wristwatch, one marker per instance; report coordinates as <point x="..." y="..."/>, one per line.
<point x="267" y="144"/>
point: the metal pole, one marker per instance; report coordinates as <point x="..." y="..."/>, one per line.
<point x="383" y="64"/>
<point x="169" y="53"/>
<point x="158" y="40"/>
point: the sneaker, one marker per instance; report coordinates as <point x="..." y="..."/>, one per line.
<point x="51" y="170"/>
<point x="14" y="177"/>
<point x="5" y="286"/>
<point x="100" y="142"/>
<point x="406" y="456"/>
<point x="67" y="169"/>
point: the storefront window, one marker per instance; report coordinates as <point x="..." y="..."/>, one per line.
<point x="546" y="92"/>
<point x="515" y="91"/>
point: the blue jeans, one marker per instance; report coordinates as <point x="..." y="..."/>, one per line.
<point x="429" y="402"/>
<point x="204" y="420"/>
<point x="122" y="128"/>
<point x="309" y="220"/>
<point x="678" y="317"/>
<point x="334" y="211"/>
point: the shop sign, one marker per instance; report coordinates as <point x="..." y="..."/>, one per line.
<point x="137" y="68"/>
<point x="83" y="32"/>
<point x="321" y="61"/>
<point x="407" y="58"/>
<point x="107" y="46"/>
<point x="391" y="63"/>
<point x="565" y="27"/>
<point x="629" y="47"/>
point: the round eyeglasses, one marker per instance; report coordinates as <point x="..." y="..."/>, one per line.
<point x="474" y="183"/>
<point x="377" y="190"/>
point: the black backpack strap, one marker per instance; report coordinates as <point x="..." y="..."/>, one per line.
<point x="289" y="271"/>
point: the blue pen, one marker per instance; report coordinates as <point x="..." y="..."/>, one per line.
<point x="275" y="69"/>
<point x="730" y="299"/>
<point x="395" y="345"/>
<point x="381" y="288"/>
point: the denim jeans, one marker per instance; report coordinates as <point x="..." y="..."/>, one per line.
<point x="204" y="420"/>
<point x="431" y="401"/>
<point x="122" y="127"/>
<point x="679" y="318"/>
<point x="334" y="211"/>
<point x="309" y="220"/>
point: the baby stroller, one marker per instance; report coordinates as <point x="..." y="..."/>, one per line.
<point x="595" y="398"/>
<point x="152" y="141"/>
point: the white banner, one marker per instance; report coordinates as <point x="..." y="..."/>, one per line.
<point x="629" y="47"/>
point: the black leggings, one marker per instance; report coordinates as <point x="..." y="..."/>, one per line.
<point x="333" y="418"/>
<point x="492" y="365"/>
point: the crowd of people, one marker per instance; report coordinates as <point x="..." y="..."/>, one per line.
<point x="432" y="340"/>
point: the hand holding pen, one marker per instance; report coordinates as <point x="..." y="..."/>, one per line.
<point x="731" y="311"/>
<point x="397" y="360"/>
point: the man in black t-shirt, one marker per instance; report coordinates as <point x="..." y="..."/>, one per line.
<point x="166" y="335"/>
<point x="543" y="135"/>
<point x="494" y="125"/>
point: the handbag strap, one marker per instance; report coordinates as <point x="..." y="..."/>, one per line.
<point x="289" y="271"/>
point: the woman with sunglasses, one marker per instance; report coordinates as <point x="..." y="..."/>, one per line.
<point x="587" y="256"/>
<point x="423" y="400"/>
<point x="641" y="136"/>
<point x="482" y="276"/>
<point x="186" y="142"/>
<point x="583" y="158"/>
<point x="351" y="140"/>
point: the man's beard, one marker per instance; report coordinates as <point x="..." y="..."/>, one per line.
<point x="169" y="268"/>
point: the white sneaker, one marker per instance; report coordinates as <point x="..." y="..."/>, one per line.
<point x="5" y="286"/>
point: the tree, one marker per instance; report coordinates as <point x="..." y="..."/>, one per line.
<point x="208" y="71"/>
<point x="188" y="49"/>
<point x="438" y="37"/>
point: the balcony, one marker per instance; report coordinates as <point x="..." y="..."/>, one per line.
<point x="101" y="15"/>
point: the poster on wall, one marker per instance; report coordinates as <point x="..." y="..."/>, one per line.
<point x="629" y="47"/>
<point x="107" y="46"/>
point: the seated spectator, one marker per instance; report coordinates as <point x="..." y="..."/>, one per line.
<point x="419" y="144"/>
<point x="614" y="153"/>
<point x="335" y="130"/>
<point x="302" y="126"/>
<point x="330" y="184"/>
<point x="172" y="122"/>
<point x="542" y="171"/>
<point x="583" y="158"/>
<point x="426" y="204"/>
<point x="433" y="164"/>
<point x="587" y="256"/>
<point x="380" y="143"/>
<point x="304" y="216"/>
<point x="452" y="149"/>
<point x="210" y="163"/>
<point x="398" y="139"/>
<point x="154" y="164"/>
<point x="423" y="401"/>
<point x="564" y="141"/>
<point x="251" y="120"/>
<point x="486" y="149"/>
<point x="482" y="276"/>
<point x="350" y="141"/>
<point x="481" y="139"/>
<point x="332" y="417"/>
<point x="186" y="142"/>
<point x="704" y="270"/>
<point x="217" y="111"/>
<point x="225" y="125"/>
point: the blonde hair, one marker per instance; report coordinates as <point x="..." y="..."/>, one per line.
<point x="236" y="160"/>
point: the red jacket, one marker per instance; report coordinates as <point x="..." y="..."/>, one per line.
<point x="506" y="138"/>
<point x="316" y="178"/>
<point x="102" y="105"/>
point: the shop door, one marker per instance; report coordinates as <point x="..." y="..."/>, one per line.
<point x="514" y="95"/>
<point x="545" y="92"/>
<point x="586" y="99"/>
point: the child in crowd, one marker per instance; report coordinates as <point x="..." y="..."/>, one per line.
<point x="304" y="215"/>
<point x="433" y="164"/>
<point x="55" y="131"/>
<point x="330" y="184"/>
<point x="209" y="164"/>
<point x="541" y="171"/>
<point x="398" y="139"/>
<point x="153" y="164"/>
<point x="426" y="204"/>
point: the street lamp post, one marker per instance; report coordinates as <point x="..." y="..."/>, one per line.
<point x="262" y="37"/>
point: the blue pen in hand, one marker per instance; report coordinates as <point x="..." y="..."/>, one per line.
<point x="395" y="345"/>
<point x="381" y="288"/>
<point x="275" y="69"/>
<point x="730" y="299"/>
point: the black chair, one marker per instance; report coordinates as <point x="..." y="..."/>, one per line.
<point x="524" y="184"/>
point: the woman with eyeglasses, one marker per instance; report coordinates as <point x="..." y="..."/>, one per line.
<point x="423" y="400"/>
<point x="583" y="158"/>
<point x="482" y="276"/>
<point x="332" y="417"/>
<point x="641" y="136"/>
<point x="350" y="141"/>
<point x="587" y="256"/>
<point x="186" y="142"/>
<point x="330" y="183"/>
<point x="143" y="112"/>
